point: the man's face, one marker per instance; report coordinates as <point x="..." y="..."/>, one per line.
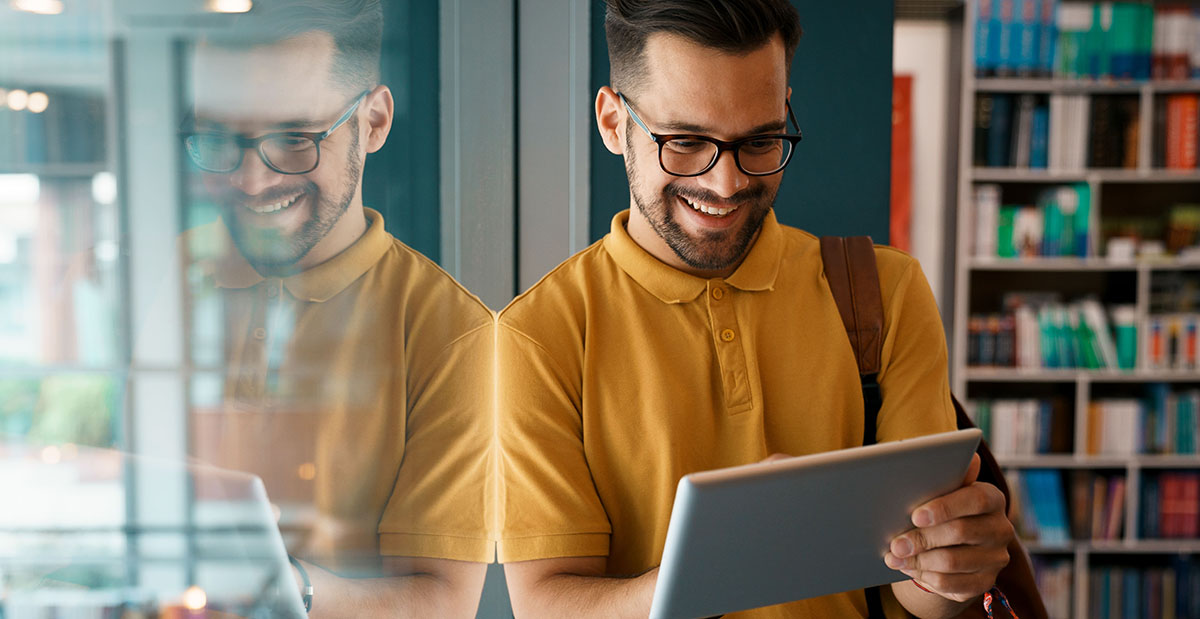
<point x="697" y="90"/>
<point x="276" y="219"/>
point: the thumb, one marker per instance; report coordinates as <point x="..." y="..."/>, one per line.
<point x="973" y="470"/>
<point x="775" y="457"/>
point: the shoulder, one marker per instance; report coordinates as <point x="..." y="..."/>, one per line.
<point x="565" y="290"/>
<point x="422" y="287"/>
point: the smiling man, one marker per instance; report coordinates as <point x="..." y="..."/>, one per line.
<point x="355" y="375"/>
<point x="699" y="333"/>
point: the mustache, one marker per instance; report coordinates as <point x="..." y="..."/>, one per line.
<point x="697" y="194"/>
<point x="268" y="197"/>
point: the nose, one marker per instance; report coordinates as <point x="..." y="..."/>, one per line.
<point x="253" y="176"/>
<point x="725" y="179"/>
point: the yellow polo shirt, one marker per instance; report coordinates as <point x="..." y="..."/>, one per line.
<point x="619" y="374"/>
<point x="360" y="390"/>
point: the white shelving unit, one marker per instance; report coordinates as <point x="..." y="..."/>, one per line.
<point x="1079" y="386"/>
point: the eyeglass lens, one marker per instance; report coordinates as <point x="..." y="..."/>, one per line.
<point x="760" y="156"/>
<point x="221" y="153"/>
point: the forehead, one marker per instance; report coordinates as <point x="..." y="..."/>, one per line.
<point x="686" y="81"/>
<point x="286" y="80"/>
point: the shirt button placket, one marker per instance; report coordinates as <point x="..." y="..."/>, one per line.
<point x="731" y="355"/>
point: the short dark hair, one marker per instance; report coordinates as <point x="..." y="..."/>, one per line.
<point x="731" y="26"/>
<point x="355" y="25"/>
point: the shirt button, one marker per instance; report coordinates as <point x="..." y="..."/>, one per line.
<point x="718" y="293"/>
<point x="260" y="334"/>
<point x="727" y="335"/>
<point x="272" y="291"/>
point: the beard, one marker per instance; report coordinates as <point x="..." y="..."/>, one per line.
<point x="709" y="250"/>
<point x="272" y="251"/>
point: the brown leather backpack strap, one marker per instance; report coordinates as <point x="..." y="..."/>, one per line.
<point x="854" y="281"/>
<point x="853" y="278"/>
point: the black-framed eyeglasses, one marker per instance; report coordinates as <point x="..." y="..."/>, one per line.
<point x="286" y="152"/>
<point x="693" y="155"/>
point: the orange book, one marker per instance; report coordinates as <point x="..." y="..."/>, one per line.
<point x="1189" y="109"/>
<point x="1174" y="139"/>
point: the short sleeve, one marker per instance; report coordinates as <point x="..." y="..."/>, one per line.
<point x="440" y="506"/>
<point x="913" y="375"/>
<point x="549" y="506"/>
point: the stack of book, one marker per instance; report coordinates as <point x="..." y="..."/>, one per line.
<point x="1023" y="427"/>
<point x="1055" y="580"/>
<point x="1095" y="40"/>
<point x="1040" y="512"/>
<point x="1166" y="423"/>
<point x="1170" y="342"/>
<point x="1041" y="508"/>
<point x="1015" y="37"/>
<point x="1058" y="225"/>
<point x="1176" y="130"/>
<point x="1045" y="334"/>
<point x="1113" y="129"/>
<point x="1012" y="131"/>
<point x="1133" y="591"/>
<point x="1171" y="505"/>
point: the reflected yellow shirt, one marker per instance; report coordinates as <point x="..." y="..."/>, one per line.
<point x="360" y="390"/>
<point x="619" y="374"/>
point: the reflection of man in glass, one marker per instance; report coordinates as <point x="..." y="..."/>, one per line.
<point x="355" y="374"/>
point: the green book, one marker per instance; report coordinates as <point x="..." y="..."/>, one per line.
<point x="1005" y="247"/>
<point x="1087" y="345"/>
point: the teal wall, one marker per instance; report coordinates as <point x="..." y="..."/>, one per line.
<point x="401" y="180"/>
<point x="839" y="179"/>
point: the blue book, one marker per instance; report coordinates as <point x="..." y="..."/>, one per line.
<point x="1000" y="135"/>
<point x="1039" y="146"/>
<point x="1004" y="62"/>
<point x="1046" y="493"/>
<point x="987" y="46"/>
<point x="1048" y="30"/>
<point x="1150" y="507"/>
<point x="1026" y="33"/>
<point x="1132" y="592"/>
<point x="1045" y="426"/>
<point x="1105" y="592"/>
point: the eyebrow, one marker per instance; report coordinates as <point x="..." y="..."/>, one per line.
<point x="685" y="127"/>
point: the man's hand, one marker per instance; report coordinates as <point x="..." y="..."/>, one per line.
<point x="960" y="543"/>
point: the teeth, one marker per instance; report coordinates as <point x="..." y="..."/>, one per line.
<point x="710" y="210"/>
<point x="271" y="208"/>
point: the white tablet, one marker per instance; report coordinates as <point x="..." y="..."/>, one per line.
<point x="763" y="534"/>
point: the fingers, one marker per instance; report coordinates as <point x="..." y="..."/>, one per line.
<point x="972" y="500"/>
<point x="958" y="559"/>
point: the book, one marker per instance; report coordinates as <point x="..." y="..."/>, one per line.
<point x="999" y="137"/>
<point x="1040" y="137"/>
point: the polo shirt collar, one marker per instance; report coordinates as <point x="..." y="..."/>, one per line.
<point x="317" y="284"/>
<point x="757" y="272"/>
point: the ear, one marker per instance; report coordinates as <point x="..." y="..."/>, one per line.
<point x="379" y="107"/>
<point x="609" y="117"/>
<point x="789" y="94"/>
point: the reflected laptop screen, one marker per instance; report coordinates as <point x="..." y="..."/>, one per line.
<point x="93" y="532"/>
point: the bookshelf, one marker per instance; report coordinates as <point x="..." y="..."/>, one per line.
<point x="1063" y="403"/>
